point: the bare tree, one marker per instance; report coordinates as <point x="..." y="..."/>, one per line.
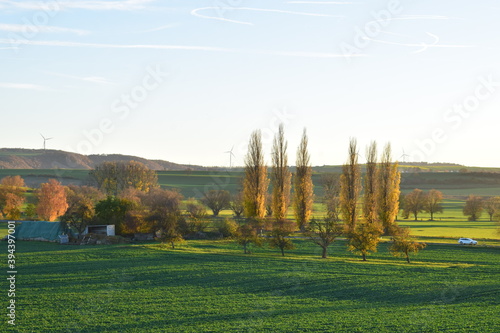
<point x="303" y="189"/>
<point x="237" y="204"/>
<point x="432" y="202"/>
<point x="370" y="203"/>
<point x="256" y="182"/>
<point x="331" y="187"/>
<point x="350" y="186"/>
<point x="216" y="200"/>
<point x="195" y="209"/>
<point x="280" y="176"/>
<point x="473" y="207"/>
<point x="247" y="234"/>
<point x="414" y="203"/>
<point x="324" y="233"/>
<point x="280" y="236"/>
<point x="164" y="214"/>
<point x="492" y="206"/>
<point x="388" y="195"/>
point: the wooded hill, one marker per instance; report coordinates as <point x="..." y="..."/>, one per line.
<point x="17" y="158"/>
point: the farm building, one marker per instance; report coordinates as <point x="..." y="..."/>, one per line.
<point x="53" y="231"/>
<point x="39" y="230"/>
<point x="104" y="229"/>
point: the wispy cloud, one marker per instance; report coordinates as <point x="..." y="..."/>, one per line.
<point x="423" y="46"/>
<point x="25" y="86"/>
<point x="177" y="47"/>
<point x="415" y="18"/>
<point x="89" y="5"/>
<point x="325" y="2"/>
<point x="91" y="79"/>
<point x="423" y="17"/>
<point x="196" y="11"/>
<point x="96" y="79"/>
<point x="39" y="28"/>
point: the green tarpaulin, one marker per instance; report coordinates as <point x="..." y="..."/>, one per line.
<point x="39" y="230"/>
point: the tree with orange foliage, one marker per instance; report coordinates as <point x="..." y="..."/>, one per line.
<point x="388" y="191"/>
<point x="52" y="201"/>
<point x="255" y="181"/>
<point x="303" y="191"/>
<point x="350" y="187"/>
<point x="280" y="176"/>
<point x="12" y="189"/>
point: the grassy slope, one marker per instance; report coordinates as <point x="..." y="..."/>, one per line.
<point x="193" y="184"/>
<point x="212" y="287"/>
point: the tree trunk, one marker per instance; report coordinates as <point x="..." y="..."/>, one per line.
<point x="408" y="258"/>
<point x="282" y="252"/>
<point x="432" y="215"/>
<point x="173" y="245"/>
<point x="416" y="216"/>
<point x="324" y="253"/>
<point x="364" y="256"/>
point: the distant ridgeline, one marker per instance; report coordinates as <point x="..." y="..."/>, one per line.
<point x="14" y="158"/>
<point x="38" y="166"/>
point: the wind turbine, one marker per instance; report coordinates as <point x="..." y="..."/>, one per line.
<point x="404" y="156"/>
<point x="231" y="155"/>
<point x="44" y="140"/>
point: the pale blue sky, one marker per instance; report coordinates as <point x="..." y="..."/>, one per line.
<point x="185" y="81"/>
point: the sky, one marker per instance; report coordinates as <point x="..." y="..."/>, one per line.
<point x="186" y="81"/>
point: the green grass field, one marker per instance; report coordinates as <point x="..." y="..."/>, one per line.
<point x="210" y="286"/>
<point x="195" y="183"/>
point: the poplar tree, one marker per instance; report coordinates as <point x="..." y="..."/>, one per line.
<point x="350" y="187"/>
<point x="303" y="189"/>
<point x="256" y="182"/>
<point x="280" y="177"/>
<point x="388" y="191"/>
<point x="370" y="212"/>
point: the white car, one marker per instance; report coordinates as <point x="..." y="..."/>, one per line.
<point x="468" y="241"/>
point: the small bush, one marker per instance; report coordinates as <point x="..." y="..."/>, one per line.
<point x="227" y="228"/>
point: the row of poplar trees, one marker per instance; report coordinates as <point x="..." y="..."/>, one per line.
<point x="363" y="220"/>
<point x="256" y="180"/>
